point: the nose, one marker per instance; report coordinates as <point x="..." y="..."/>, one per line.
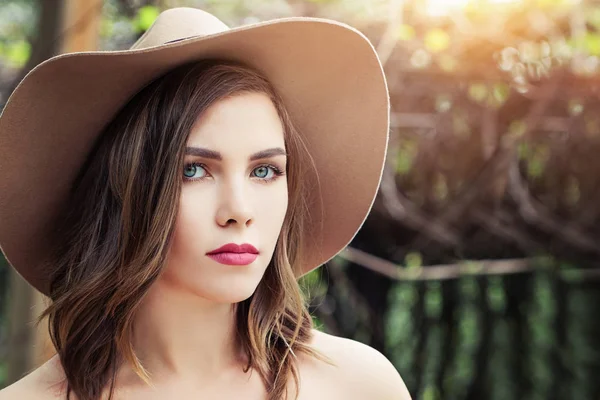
<point x="234" y="208"/>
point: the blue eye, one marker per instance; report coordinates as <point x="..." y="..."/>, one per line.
<point x="263" y="172"/>
<point x="194" y="171"/>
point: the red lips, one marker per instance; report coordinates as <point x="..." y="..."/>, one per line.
<point x="234" y="254"/>
<point x="235" y="248"/>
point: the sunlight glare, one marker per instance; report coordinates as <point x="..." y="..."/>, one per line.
<point x="437" y="8"/>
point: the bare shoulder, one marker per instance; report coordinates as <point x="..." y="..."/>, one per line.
<point x="43" y="383"/>
<point x="364" y="371"/>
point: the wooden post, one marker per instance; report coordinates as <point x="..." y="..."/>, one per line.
<point x="82" y="25"/>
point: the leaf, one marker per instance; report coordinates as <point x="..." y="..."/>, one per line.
<point x="413" y="260"/>
<point x="544" y="261"/>
<point x="500" y="93"/>
<point x="406" y="156"/>
<point x="496" y="296"/>
<point x="437" y="40"/>
<point x="433" y="300"/>
<point x="404" y="295"/>
<point x="535" y="168"/>
<point x="431" y="393"/>
<point x="318" y="324"/>
<point x="405" y="32"/>
<point x="524" y="151"/>
<point x="311" y="279"/>
<point x="478" y="91"/>
<point x="592" y="15"/>
<point x="145" y="18"/>
<point x="572" y="276"/>
<point x="17" y="53"/>
<point x="517" y="128"/>
<point x="106" y="28"/>
<point x="592" y="43"/>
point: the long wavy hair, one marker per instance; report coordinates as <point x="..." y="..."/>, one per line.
<point x="119" y="223"/>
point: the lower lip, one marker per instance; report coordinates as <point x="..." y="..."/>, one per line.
<point x="234" y="258"/>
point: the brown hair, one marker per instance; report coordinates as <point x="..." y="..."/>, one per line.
<point x="119" y="225"/>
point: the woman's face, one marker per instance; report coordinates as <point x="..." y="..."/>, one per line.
<point x="234" y="192"/>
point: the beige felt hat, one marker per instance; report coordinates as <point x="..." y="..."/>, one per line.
<point x="327" y="73"/>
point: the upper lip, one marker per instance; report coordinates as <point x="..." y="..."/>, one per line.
<point x="235" y="248"/>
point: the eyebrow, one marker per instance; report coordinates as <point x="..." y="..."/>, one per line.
<point x="215" y="155"/>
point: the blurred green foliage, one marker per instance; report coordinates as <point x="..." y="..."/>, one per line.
<point x="145" y="17"/>
<point x="17" y="27"/>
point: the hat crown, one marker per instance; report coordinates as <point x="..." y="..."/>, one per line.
<point x="177" y="24"/>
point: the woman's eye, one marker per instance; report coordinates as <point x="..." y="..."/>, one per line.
<point x="263" y="172"/>
<point x="194" y="171"/>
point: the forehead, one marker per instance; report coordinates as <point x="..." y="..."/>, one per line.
<point x="243" y="123"/>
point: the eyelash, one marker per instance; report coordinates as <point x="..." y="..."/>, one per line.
<point x="276" y="171"/>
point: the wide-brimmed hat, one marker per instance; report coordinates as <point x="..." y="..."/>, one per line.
<point x="327" y="73"/>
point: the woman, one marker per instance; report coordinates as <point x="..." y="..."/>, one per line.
<point x="166" y="198"/>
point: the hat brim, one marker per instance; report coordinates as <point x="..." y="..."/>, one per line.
<point x="327" y="73"/>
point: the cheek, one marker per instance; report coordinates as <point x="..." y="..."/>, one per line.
<point x="274" y="209"/>
<point x="191" y="225"/>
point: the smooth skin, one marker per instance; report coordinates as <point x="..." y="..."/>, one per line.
<point x="185" y="327"/>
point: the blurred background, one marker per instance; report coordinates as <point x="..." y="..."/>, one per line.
<point x="478" y="272"/>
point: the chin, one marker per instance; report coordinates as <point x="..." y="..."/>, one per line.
<point x="229" y="292"/>
<point x="214" y="282"/>
<point x="227" y="298"/>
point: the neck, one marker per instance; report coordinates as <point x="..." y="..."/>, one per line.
<point x="180" y="335"/>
